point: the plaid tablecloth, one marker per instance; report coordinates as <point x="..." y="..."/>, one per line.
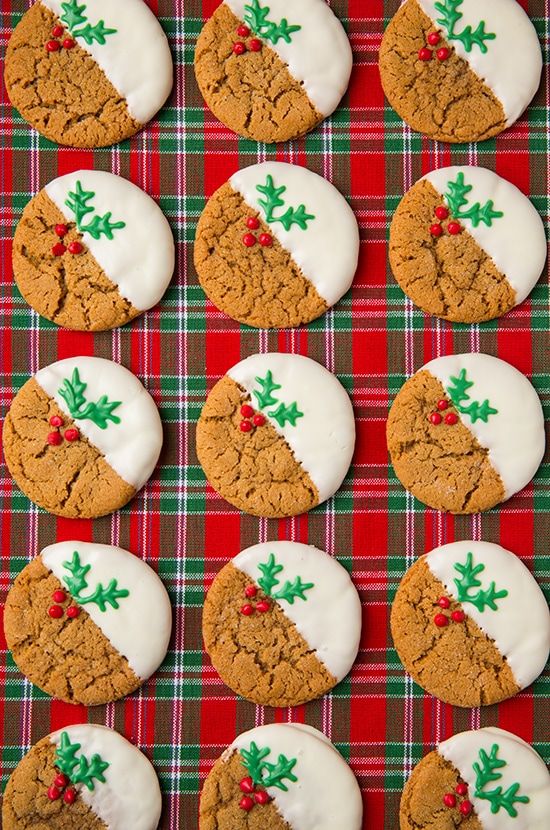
<point x="184" y="717"/>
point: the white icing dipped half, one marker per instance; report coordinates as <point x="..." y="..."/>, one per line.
<point x="510" y="64"/>
<point x="132" y="442"/>
<point x="326" y="246"/>
<point x="473" y="753"/>
<point x="506" y="602"/>
<point x="142" y="638"/>
<point x="322" y="434"/>
<point x="130" y="795"/>
<point x="135" y="57"/>
<point x="138" y="254"/>
<point x="325" y="795"/>
<point x="514" y="434"/>
<point x="515" y="240"/>
<point x="328" y="616"/>
<point x="318" y="54"/>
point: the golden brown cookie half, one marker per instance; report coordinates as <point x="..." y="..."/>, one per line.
<point x="272" y="71"/>
<point x="82" y="437"/>
<point x="276" y="435"/>
<point x="451" y="69"/>
<point x="85" y="81"/>
<point x="465" y="433"/>
<point x="466" y="245"/>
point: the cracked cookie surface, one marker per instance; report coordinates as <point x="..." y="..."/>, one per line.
<point x="262" y="657"/>
<point x="26" y="805"/>
<point x="70" y="659"/>
<point x="444" y="100"/>
<point x="63" y="94"/>
<point x="72" y="479"/>
<point x="72" y="291"/>
<point x="254" y="94"/>
<point x="259" y="286"/>
<point x="444" y="466"/>
<point x="255" y="471"/>
<point x="457" y="663"/>
<point x="448" y="276"/>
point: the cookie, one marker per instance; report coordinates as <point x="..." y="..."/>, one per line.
<point x="276" y="246"/>
<point x="90" y="73"/>
<point x="75" y="625"/>
<point x="487" y="779"/>
<point x="470" y="624"/>
<point x="81" y="257"/>
<point x="460" y="70"/>
<point x="282" y="623"/>
<point x="465" y="433"/>
<point x="83" y="776"/>
<point x="466" y="245"/>
<point x="81" y="437"/>
<point x="276" y="435"/>
<point x="281" y="777"/>
<point x="271" y="70"/>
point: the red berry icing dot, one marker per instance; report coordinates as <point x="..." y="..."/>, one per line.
<point x="247" y="610"/>
<point x="73" y="611"/>
<point x="54" y="439"/>
<point x="245" y="426"/>
<point x="53" y="46"/>
<point x="461" y="788"/>
<point x="444" y="602"/>
<point x="425" y="54"/>
<point x="454" y="228"/>
<point x="442" y="404"/>
<point x="443" y="54"/>
<point x="262" y="606"/>
<point x="449" y="800"/>
<point x="55" y="612"/>
<point x="258" y="420"/>
<point x="253" y="223"/>
<point x="243" y="31"/>
<point x="250" y="591"/>
<point x="59" y="596"/>
<point x="458" y="616"/>
<point x="60" y="781"/>
<point x="255" y="45"/>
<point x="466" y="808"/>
<point x="246" y="803"/>
<point x="61" y="230"/>
<point x="54" y="793"/>
<point x="261" y="797"/>
<point x="249" y="240"/>
<point x="436" y="230"/>
<point x="247" y="411"/>
<point x="58" y="249"/>
<point x="239" y="48"/>
<point x="69" y="43"/>
<point x="266" y="240"/>
<point x="442" y="212"/>
<point x="56" y="421"/>
<point x="435" y="418"/>
<point x="75" y="247"/>
<point x="451" y="418"/>
<point x="247" y="785"/>
<point x="434" y="38"/>
<point x="441" y="620"/>
<point x="72" y="434"/>
<point x="69" y="796"/>
<point x="57" y="31"/>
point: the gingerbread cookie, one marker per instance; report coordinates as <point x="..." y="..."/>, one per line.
<point x="271" y="70"/>
<point x="282" y="623"/>
<point x="83" y="777"/>
<point x="81" y="257"/>
<point x="466" y="245"/>
<point x="276" y="246"/>
<point x="281" y="777"/>
<point x="466" y="432"/>
<point x="82" y="437"/>
<point x="460" y="70"/>
<point x="90" y="73"/>
<point x="75" y="625"/>
<point x="470" y="624"/>
<point x="276" y="435"/>
<point x="487" y="779"/>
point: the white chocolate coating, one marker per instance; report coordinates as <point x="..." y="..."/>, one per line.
<point x="140" y="258"/>
<point x="132" y="447"/>
<point x="326" y="252"/>
<point x="520" y="627"/>
<point x="323" y="440"/>
<point x="140" y="637"/>
<point x="136" y="58"/>
<point x="319" y="55"/>
<point x="326" y="795"/>
<point x="512" y="65"/>
<point x="515" y="436"/>
<point x="516" y="242"/>
<point x="130" y="796"/>
<point x="523" y="766"/>
<point x="329" y="618"/>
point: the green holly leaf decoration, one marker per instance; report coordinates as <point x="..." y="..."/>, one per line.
<point x="468" y="580"/>
<point x="73" y="14"/>
<point x="272" y="201"/>
<point x="256" y="16"/>
<point x="284" y="414"/>
<point x="265" y="397"/>
<point x="100" y="412"/>
<point x="293" y="590"/>
<point x="486" y="773"/>
<point x="264" y="773"/>
<point x="456" y="197"/>
<point x="102" y="225"/>
<point x="78" y="769"/>
<point x="290" y="590"/>
<point x="95" y="33"/>
<point x="450" y="17"/>
<point x="78" y="201"/>
<point x="77" y="582"/>
<point x="269" y="569"/>
<point x="65" y="756"/>
<point x="458" y="392"/>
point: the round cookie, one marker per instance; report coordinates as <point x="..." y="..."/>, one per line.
<point x="466" y="245"/>
<point x="470" y="624"/>
<point x="75" y="625"/>
<point x="83" y="776"/>
<point x="90" y="73"/>
<point x="276" y="246"/>
<point x="271" y="70"/>
<point x="81" y="437"/>
<point x="465" y="433"/>
<point x="487" y="779"/>
<point x="282" y="623"/>
<point x="81" y="257"/>
<point x="276" y="435"/>
<point x="460" y="70"/>
<point x="281" y="777"/>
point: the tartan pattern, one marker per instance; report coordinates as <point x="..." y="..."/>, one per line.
<point x="184" y="717"/>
